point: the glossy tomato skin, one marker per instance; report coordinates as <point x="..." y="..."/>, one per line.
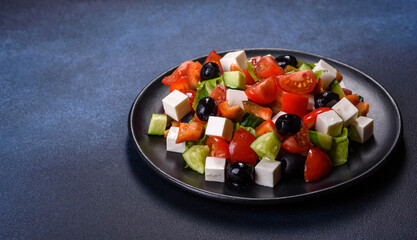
<point x="262" y="92"/>
<point x="301" y="82"/>
<point x="239" y="147"/>
<point x="218" y="147"/>
<point x="214" y="57"/>
<point x="294" y="104"/>
<point x="181" y="85"/>
<point x="191" y="95"/>
<point x="310" y="118"/>
<point x="267" y="66"/>
<point x="219" y="94"/>
<point x="299" y="142"/>
<point x="180" y="72"/>
<point x="317" y="166"/>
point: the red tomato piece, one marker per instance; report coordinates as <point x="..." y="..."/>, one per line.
<point x="214" y="57"/>
<point x="180" y="72"/>
<point x="265" y="127"/>
<point x="302" y="82"/>
<point x="310" y="118"/>
<point x="234" y="113"/>
<point x="261" y="112"/>
<point x="239" y="147"/>
<point x="218" y="94"/>
<point x="299" y="142"/>
<point x="363" y="108"/>
<point x="190" y="132"/>
<point x="191" y="95"/>
<point x="267" y="66"/>
<point x="235" y="67"/>
<point x="262" y="92"/>
<point x="180" y="85"/>
<point x="218" y="147"/>
<point x="353" y="98"/>
<point x="347" y="91"/>
<point x="317" y="166"/>
<point x="193" y="74"/>
<point x="248" y="77"/>
<point x="294" y="104"/>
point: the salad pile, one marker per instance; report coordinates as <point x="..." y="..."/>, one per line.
<point x="260" y="119"/>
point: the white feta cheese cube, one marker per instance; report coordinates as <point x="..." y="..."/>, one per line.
<point x="346" y="110"/>
<point x="361" y="129"/>
<point x="274" y="119"/>
<point x="329" y="123"/>
<point x="176" y="105"/>
<point x="267" y="172"/>
<point x="239" y="58"/>
<point x="310" y="105"/>
<point x="171" y="139"/>
<point x="236" y="97"/>
<point x="214" y="169"/>
<point x="220" y="127"/>
<point x="329" y="73"/>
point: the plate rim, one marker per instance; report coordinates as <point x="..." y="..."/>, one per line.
<point x="266" y="200"/>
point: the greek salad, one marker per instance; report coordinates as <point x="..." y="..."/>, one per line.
<point x="261" y="119"/>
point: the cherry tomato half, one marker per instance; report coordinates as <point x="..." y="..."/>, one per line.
<point x="317" y="166"/>
<point x="298" y="142"/>
<point x="302" y="82"/>
<point x="267" y="66"/>
<point x="239" y="147"/>
<point x="218" y="147"/>
<point x="262" y="92"/>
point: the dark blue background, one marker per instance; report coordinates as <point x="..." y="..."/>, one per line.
<point x="70" y="70"/>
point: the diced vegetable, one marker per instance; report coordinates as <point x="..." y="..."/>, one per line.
<point x="158" y="124"/>
<point x="195" y="157"/>
<point x="339" y="150"/>
<point x="267" y="145"/>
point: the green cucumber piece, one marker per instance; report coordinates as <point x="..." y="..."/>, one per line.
<point x="250" y="120"/>
<point x="336" y="88"/>
<point x="195" y="157"/>
<point x="320" y="140"/>
<point x="340" y="149"/>
<point x="158" y="124"/>
<point x="267" y="145"/>
<point x="304" y="66"/>
<point x="234" y="80"/>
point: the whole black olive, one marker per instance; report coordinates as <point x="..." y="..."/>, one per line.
<point x="240" y="175"/>
<point x="285" y="60"/>
<point x="210" y="70"/>
<point x="326" y="99"/>
<point x="288" y="124"/>
<point x="292" y="165"/>
<point x="206" y="107"/>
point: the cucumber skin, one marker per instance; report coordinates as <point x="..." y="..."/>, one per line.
<point x="157" y="124"/>
<point x="195" y="157"/>
<point x="320" y="140"/>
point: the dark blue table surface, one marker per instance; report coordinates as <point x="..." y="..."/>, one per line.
<point x="70" y="70"/>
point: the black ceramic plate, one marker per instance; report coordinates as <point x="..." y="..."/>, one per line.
<point x="364" y="159"/>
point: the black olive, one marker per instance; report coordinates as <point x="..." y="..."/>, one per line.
<point x="206" y="107"/>
<point x="292" y="165"/>
<point x="288" y="124"/>
<point x="240" y="175"/>
<point x="210" y="70"/>
<point x="326" y="99"/>
<point x="285" y="60"/>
